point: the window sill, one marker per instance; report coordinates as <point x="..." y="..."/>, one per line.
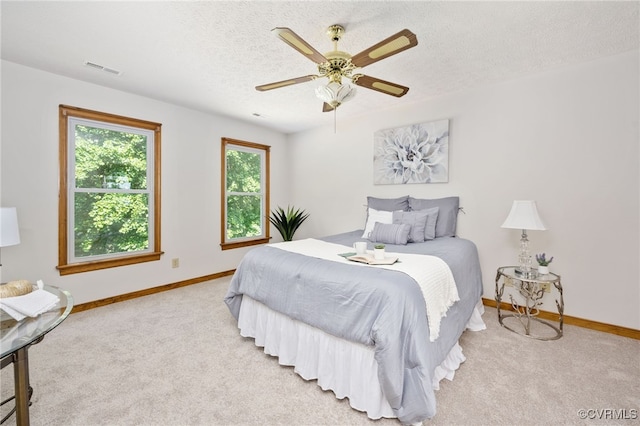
<point x="75" y="268"/>
<point x="229" y="246"/>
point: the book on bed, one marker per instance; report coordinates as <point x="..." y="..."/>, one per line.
<point x="370" y="260"/>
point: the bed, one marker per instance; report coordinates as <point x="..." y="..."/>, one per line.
<point x="368" y="333"/>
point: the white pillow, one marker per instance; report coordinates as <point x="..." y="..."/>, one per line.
<point x="374" y="216"/>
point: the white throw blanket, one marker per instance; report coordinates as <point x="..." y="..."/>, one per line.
<point x="431" y="273"/>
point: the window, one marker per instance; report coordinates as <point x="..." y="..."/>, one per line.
<point x="245" y="194"/>
<point x="109" y="200"/>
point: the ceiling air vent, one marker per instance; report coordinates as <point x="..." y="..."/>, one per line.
<point x="102" y="68"/>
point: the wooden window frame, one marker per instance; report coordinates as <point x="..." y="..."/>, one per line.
<point x="66" y="268"/>
<point x="225" y="245"/>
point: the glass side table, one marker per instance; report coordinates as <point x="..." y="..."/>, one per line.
<point x="15" y="339"/>
<point x="525" y="297"/>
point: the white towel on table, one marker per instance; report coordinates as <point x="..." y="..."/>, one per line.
<point x="29" y="305"/>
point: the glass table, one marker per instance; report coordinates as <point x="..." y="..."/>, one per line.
<point x="15" y="339"/>
<point x="525" y="300"/>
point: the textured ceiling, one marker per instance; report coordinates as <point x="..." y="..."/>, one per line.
<point x="210" y="55"/>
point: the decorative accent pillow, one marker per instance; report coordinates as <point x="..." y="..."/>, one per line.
<point x="432" y="220"/>
<point x="417" y="220"/>
<point x="374" y="216"/>
<point x="390" y="233"/>
<point x="388" y="204"/>
<point x="447" y="216"/>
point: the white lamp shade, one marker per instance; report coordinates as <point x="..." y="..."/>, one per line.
<point x="335" y="94"/>
<point x="9" y="233"/>
<point x="524" y="215"/>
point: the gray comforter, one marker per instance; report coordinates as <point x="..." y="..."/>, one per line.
<point x="377" y="307"/>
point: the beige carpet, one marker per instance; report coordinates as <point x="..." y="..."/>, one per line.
<point x="176" y="358"/>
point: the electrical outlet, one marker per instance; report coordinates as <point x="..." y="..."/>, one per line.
<point x="508" y="282"/>
<point x="175" y="263"/>
<point x="546" y="287"/>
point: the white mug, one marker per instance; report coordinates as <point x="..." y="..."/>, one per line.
<point x="378" y="254"/>
<point x="360" y="247"/>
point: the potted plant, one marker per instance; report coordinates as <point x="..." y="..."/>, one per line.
<point x="543" y="263"/>
<point x="378" y="251"/>
<point x="287" y="222"/>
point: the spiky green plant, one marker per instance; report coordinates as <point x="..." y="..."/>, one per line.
<point x="287" y="222"/>
<point x="542" y="259"/>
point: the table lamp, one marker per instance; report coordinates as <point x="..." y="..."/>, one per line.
<point x="9" y="232"/>
<point x="524" y="215"/>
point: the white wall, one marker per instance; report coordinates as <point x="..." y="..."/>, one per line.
<point x="567" y="139"/>
<point x="190" y="182"/>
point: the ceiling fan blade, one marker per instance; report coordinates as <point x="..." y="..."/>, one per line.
<point x="285" y="83"/>
<point x="403" y="40"/>
<point x="326" y="107"/>
<point x="382" y="86"/>
<point x="295" y="41"/>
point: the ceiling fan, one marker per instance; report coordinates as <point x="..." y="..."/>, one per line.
<point x="336" y="64"/>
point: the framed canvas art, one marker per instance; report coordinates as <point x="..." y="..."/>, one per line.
<point x="418" y="153"/>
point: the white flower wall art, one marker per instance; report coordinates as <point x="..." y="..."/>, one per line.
<point x="418" y="153"/>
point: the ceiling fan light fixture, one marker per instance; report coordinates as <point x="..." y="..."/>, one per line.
<point x="338" y="65"/>
<point x="335" y="93"/>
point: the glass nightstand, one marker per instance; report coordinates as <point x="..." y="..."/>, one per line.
<point x="525" y="297"/>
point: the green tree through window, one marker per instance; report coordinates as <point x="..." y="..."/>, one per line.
<point x="244" y="201"/>
<point x="115" y="219"/>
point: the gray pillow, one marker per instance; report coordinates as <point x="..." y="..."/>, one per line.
<point x="390" y="233"/>
<point x="417" y="220"/>
<point x="432" y="220"/>
<point x="388" y="204"/>
<point x="447" y="216"/>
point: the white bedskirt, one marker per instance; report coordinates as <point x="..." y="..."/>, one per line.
<point x="348" y="369"/>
